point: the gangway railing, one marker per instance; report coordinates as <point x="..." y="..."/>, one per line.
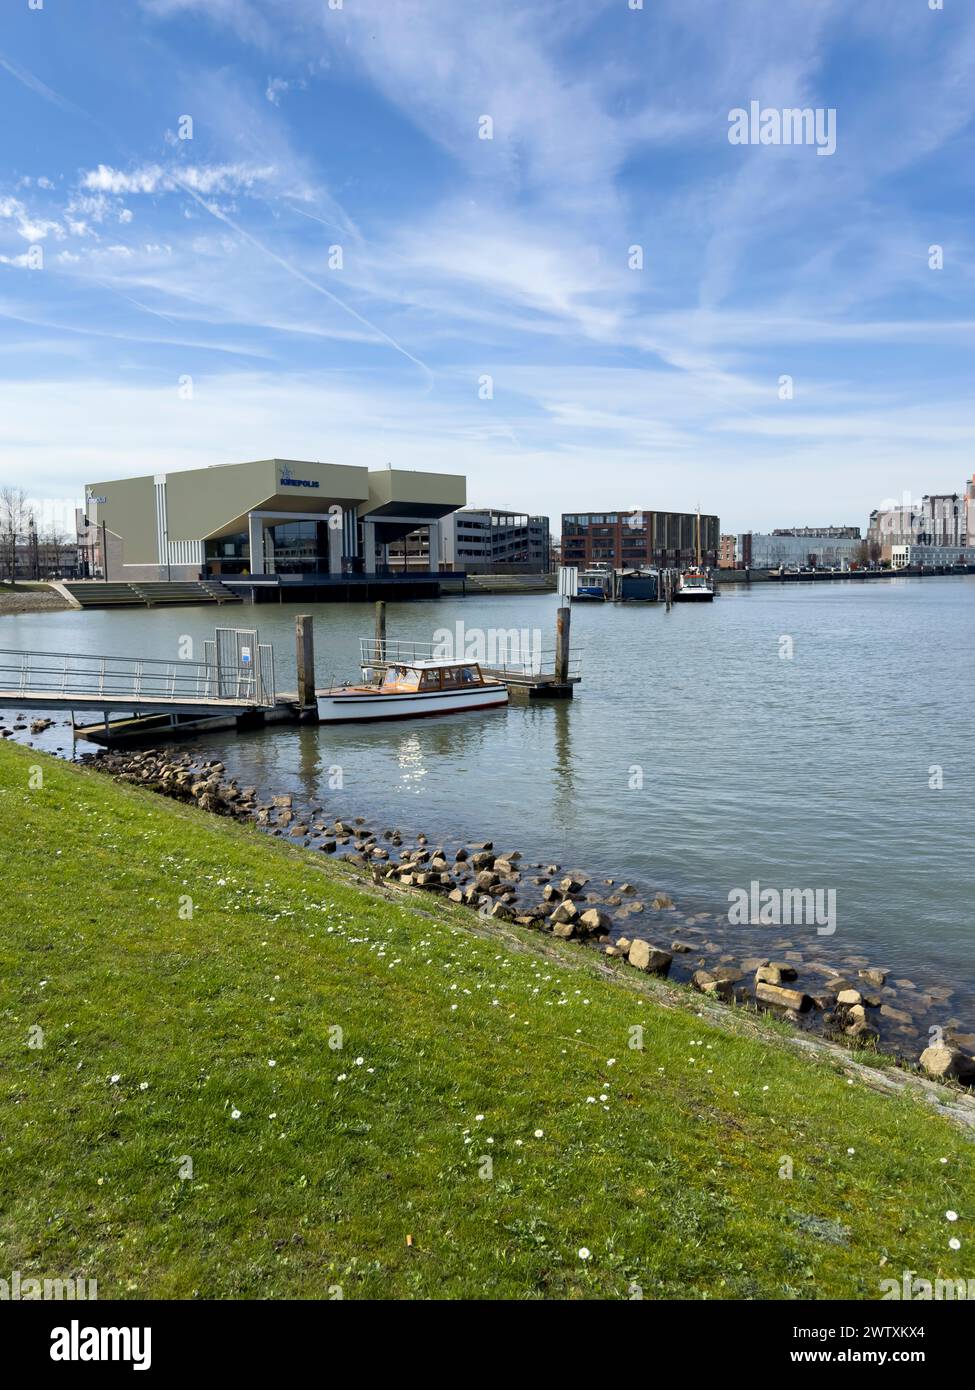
<point x="63" y="675"/>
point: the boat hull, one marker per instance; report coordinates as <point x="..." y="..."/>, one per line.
<point x="689" y="596"/>
<point x="355" y="707"/>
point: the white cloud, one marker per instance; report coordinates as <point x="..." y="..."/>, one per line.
<point x="277" y="86"/>
<point x="153" y="178"/>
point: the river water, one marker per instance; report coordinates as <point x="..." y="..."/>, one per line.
<point x="803" y="736"/>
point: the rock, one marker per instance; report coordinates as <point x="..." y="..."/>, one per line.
<point x="282" y="801"/>
<point x="774" y="973"/>
<point x="681" y="948"/>
<point x="460" y="856"/>
<point x="626" y="889"/>
<point x="849" y="997"/>
<point x="861" y="1029"/>
<point x="874" y="977"/>
<point x="502" y="911"/>
<point x="573" y="883"/>
<point x="897" y="1015"/>
<point x="785" y="998"/>
<point x="948" y="1063"/>
<point x="662" y="901"/>
<point x="623" y="945"/>
<point x="752" y="963"/>
<point x="704" y="981"/>
<point x="563" y="929"/>
<point x="565" y="912"/>
<point x="456" y="896"/>
<point x="940" y="993"/>
<point x="649" y="958"/>
<point x="486" y="879"/>
<point x="594" y="921"/>
<point x="483" y="860"/>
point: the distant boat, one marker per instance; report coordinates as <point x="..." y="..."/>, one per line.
<point x="695" y="585"/>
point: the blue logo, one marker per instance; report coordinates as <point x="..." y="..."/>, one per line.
<point x="288" y="481"/>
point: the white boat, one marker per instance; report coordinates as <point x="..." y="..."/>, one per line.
<point x="695" y="585"/>
<point x="413" y="690"/>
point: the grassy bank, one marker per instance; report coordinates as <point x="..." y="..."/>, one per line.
<point x="484" y="1120"/>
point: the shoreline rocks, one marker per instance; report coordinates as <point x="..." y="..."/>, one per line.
<point x="567" y="904"/>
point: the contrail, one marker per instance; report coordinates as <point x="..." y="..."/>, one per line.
<point x="305" y="279"/>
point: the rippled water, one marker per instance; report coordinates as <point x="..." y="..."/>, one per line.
<point x="804" y="773"/>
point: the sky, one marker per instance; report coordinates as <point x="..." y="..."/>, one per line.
<point x="510" y="240"/>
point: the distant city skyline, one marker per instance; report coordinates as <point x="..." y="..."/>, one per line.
<point x="514" y="242"/>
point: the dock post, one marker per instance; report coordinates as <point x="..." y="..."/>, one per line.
<point x="380" y="630"/>
<point x="305" y="663"/>
<point x="562" y="626"/>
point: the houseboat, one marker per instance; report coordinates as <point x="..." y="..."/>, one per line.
<point x="592" y="587"/>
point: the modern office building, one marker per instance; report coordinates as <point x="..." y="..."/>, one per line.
<point x="486" y="539"/>
<point x="285" y="518"/>
<point x="627" y="539"/>
<point x="930" y="556"/>
<point x="769" y="551"/>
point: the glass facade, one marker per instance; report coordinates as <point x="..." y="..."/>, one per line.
<point x="290" y="547"/>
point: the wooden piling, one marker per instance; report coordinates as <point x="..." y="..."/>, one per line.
<point x="562" y="625"/>
<point x="305" y="663"/>
<point x="380" y="630"/>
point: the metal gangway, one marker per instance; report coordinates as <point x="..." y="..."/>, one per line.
<point x="236" y="675"/>
<point x="506" y="657"/>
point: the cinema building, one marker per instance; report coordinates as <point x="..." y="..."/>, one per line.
<point x="273" y="523"/>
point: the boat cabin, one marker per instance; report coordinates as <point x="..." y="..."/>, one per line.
<point x="405" y="678"/>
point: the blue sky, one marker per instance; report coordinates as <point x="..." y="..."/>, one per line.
<point x="188" y="309"/>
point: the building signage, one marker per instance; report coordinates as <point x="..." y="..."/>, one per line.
<point x="287" y="480"/>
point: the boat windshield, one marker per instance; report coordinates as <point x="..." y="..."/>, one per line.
<point x="401" y="678"/>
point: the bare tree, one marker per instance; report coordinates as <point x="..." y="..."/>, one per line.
<point x="55" y="542"/>
<point x="16" y="517"/>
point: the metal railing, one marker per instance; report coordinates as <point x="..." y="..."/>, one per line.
<point x="501" y="656"/>
<point x="61" y="675"/>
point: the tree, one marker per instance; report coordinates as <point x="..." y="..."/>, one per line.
<point x="16" y="517"/>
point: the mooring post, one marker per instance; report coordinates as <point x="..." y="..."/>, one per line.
<point x="380" y="630"/>
<point x="562" y="622"/>
<point x="305" y="663"/>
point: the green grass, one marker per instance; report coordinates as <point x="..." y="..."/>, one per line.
<point x="672" y="1183"/>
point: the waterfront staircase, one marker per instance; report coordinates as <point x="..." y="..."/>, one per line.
<point x="511" y="583"/>
<point x="96" y="593"/>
